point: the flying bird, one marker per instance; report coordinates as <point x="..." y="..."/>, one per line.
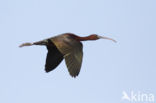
<point x="66" y="46"/>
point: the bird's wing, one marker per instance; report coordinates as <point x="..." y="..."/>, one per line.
<point x="54" y="57"/>
<point x="72" y="51"/>
<point x="73" y="61"/>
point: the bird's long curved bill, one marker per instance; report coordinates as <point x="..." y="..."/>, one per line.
<point x="103" y="37"/>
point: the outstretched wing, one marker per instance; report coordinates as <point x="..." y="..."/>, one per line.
<point x="72" y="51"/>
<point x="74" y="61"/>
<point x="54" y="57"/>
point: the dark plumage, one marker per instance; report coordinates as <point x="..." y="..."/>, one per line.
<point x="54" y="57"/>
<point x="66" y="46"/>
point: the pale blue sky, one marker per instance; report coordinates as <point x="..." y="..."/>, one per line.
<point x="107" y="68"/>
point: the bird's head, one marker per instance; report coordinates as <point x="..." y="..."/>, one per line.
<point x="96" y="37"/>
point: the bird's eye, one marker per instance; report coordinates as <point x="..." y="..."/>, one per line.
<point x="96" y="35"/>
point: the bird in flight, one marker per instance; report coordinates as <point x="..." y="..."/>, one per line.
<point x="66" y="46"/>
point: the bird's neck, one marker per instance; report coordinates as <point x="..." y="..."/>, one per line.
<point x="85" y="38"/>
<point x="78" y="38"/>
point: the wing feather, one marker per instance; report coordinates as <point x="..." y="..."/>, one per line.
<point x="72" y="51"/>
<point x="74" y="60"/>
<point x="54" y="57"/>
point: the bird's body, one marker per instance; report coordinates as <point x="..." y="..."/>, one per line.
<point x="66" y="46"/>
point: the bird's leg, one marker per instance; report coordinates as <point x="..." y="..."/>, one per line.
<point x="25" y="44"/>
<point x="43" y="42"/>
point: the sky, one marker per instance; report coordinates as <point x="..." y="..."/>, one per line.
<point x="108" y="68"/>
